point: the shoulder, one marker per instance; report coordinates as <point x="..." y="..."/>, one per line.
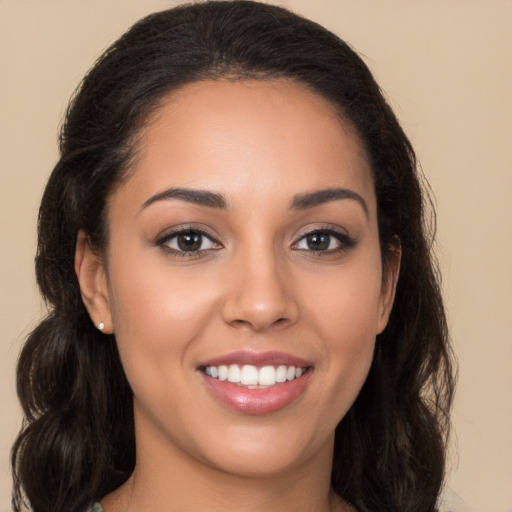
<point x="95" y="507"/>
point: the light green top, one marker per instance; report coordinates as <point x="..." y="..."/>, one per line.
<point x="96" y="507"/>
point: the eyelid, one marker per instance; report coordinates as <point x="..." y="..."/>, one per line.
<point x="346" y="241"/>
<point x="169" y="234"/>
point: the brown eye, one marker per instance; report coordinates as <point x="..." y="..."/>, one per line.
<point x="187" y="241"/>
<point x="318" y="241"/>
<point x="190" y="241"/>
<point x="324" y="241"/>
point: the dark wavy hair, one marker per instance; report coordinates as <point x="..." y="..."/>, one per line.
<point x="77" y="442"/>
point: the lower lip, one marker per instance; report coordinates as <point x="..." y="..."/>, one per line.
<point x="257" y="401"/>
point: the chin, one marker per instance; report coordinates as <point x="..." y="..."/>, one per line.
<point x="265" y="452"/>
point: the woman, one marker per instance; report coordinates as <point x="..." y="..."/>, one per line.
<point x="244" y="312"/>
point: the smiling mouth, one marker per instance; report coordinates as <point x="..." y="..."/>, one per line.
<point x="253" y="383"/>
<point x="253" y="377"/>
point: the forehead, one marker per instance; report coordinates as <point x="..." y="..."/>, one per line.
<point x="248" y="138"/>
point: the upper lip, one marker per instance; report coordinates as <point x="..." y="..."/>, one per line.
<point x="268" y="358"/>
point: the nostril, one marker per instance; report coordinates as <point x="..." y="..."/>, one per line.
<point x="240" y="323"/>
<point x="246" y="323"/>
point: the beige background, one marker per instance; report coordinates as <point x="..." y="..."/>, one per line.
<point x="447" y="69"/>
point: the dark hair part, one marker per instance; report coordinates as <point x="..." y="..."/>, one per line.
<point x="77" y="442"/>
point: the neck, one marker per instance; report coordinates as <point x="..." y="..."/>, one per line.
<point x="169" y="480"/>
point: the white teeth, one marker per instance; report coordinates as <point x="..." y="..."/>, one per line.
<point x="234" y="373"/>
<point x="251" y="376"/>
<point x="223" y="372"/>
<point x="267" y="376"/>
<point x="281" y="373"/>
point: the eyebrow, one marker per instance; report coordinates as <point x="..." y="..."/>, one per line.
<point x="199" y="197"/>
<point x="216" y="200"/>
<point x="319" y="197"/>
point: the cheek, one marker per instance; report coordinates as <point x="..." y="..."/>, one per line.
<point x="346" y="304"/>
<point x="157" y="315"/>
<point x="157" y="318"/>
<point x="149" y="297"/>
<point x="349" y="340"/>
<point x="344" y="311"/>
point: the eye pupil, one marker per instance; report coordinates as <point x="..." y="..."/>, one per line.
<point x="189" y="241"/>
<point x="318" y="241"/>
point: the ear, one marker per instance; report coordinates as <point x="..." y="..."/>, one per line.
<point x="389" y="281"/>
<point x="92" y="278"/>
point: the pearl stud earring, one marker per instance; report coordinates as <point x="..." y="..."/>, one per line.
<point x="101" y="326"/>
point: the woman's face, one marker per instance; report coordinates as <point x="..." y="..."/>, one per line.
<point x="244" y="241"/>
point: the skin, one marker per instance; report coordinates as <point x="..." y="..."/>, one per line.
<point x="256" y="286"/>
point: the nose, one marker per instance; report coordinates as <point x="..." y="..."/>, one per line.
<point x="260" y="294"/>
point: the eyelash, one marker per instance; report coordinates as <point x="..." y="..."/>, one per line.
<point x="346" y="242"/>
<point x="163" y="242"/>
